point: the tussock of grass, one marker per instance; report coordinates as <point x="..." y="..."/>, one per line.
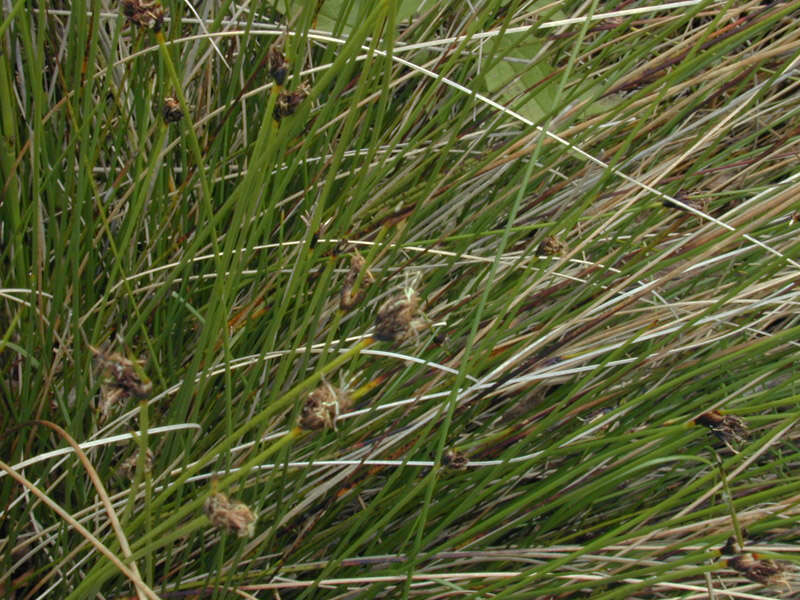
<point x="533" y="265"/>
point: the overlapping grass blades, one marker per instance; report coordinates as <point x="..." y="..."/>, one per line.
<point x="568" y="374"/>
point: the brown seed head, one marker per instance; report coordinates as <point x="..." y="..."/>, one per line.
<point x="323" y="407"/>
<point x="455" y="460"/>
<point x="287" y="102"/>
<point x="172" y="110"/>
<point x="552" y="246"/>
<point x="121" y="373"/>
<point x="399" y="319"/>
<point x="146" y="15"/>
<point x="730" y="547"/>
<point x="726" y="427"/>
<point x="127" y="468"/>
<point x="763" y="571"/>
<point x="349" y="297"/>
<point x="120" y="380"/>
<point x="278" y="66"/>
<point x="230" y="516"/>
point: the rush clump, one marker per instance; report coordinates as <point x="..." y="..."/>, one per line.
<point x="229" y="515"/>
<point x="323" y="406"/>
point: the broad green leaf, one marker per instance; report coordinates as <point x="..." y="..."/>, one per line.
<point x="514" y="79"/>
<point x="330" y="13"/>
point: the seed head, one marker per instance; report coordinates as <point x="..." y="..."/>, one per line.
<point x="552" y="246"/>
<point x="287" y="102"/>
<point x="730" y="547"/>
<point x="455" y="460"/>
<point x="350" y="298"/>
<point x="120" y="379"/>
<point x="278" y="66"/>
<point x="147" y="15"/>
<point x="229" y="515"/>
<point x="323" y="407"/>
<point x="127" y="468"/>
<point x="726" y="427"/>
<point x="399" y="318"/>
<point x="763" y="571"/>
<point x="124" y="374"/>
<point x="171" y="110"/>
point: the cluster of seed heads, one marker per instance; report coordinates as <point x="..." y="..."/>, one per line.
<point x="229" y="515"/>
<point x="287" y="102"/>
<point x="398" y="319"/>
<point x="750" y="565"/>
<point x="147" y="15"/>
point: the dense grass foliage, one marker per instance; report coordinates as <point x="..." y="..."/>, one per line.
<point x="490" y="299"/>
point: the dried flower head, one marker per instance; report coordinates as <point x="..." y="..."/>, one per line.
<point x="350" y="297"/>
<point x="278" y="66"/>
<point x="455" y="460"/>
<point x="287" y="102"/>
<point x="726" y="427"/>
<point x="552" y="246"/>
<point x="399" y="318"/>
<point x="127" y="468"/>
<point x="323" y="407"/>
<point x="229" y="515"/>
<point x="121" y="379"/>
<point x="171" y="110"/>
<point x="146" y="15"/>
<point x="124" y="373"/>
<point x="763" y="571"/>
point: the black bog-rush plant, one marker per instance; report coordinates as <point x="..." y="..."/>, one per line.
<point x="399" y="299"/>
